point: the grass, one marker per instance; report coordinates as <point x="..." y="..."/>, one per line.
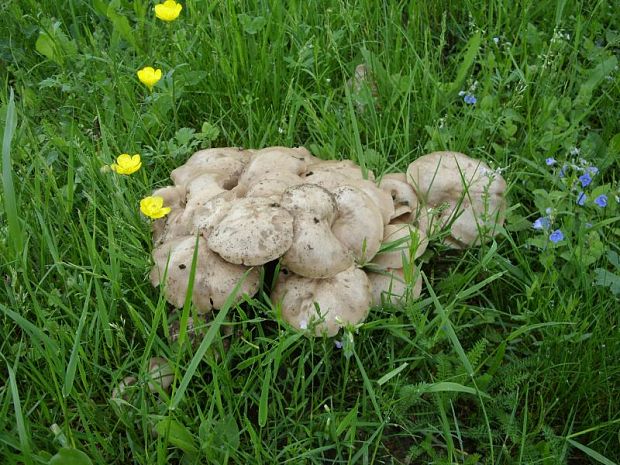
<point x="509" y="357"/>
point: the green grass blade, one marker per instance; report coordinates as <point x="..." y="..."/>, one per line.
<point x="19" y="418"/>
<point x="73" y="360"/>
<point x="591" y="453"/>
<point x="10" y="200"/>
<point x="204" y="346"/>
<point x="264" y="398"/>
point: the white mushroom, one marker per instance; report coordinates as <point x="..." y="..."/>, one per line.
<point x="399" y="240"/>
<point x="254" y="231"/>
<point x="214" y="278"/>
<point x="390" y="285"/>
<point x="325" y="305"/>
<point x="273" y="160"/>
<point x="405" y="202"/>
<point x="468" y="194"/>
<point x="315" y="252"/>
<point x="358" y="224"/>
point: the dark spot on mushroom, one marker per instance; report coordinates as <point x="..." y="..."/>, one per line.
<point x="182" y="266"/>
<point x="274" y="205"/>
<point x="309" y="173"/>
<point x="211" y="301"/>
<point x="393" y="195"/>
<point x="284" y="271"/>
<point x="316" y="220"/>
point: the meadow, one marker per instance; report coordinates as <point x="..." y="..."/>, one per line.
<point x="510" y="356"/>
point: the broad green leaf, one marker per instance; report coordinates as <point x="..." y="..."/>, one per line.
<point x="67" y="456"/>
<point x="177" y="434"/>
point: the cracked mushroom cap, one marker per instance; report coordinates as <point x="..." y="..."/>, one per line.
<point x="315" y="251"/>
<point x="470" y="195"/>
<point x="391" y="285"/>
<point x="214" y="279"/>
<point x="254" y="231"/>
<point x="358" y="224"/>
<point x="329" y="303"/>
<point x="397" y="242"/>
<point x="271" y="161"/>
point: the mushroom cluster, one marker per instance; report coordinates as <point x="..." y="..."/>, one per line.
<point x="343" y="241"/>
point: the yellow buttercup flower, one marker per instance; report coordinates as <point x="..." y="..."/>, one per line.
<point x="149" y="76"/>
<point x="168" y="11"/>
<point x="126" y="164"/>
<point x="153" y="207"/>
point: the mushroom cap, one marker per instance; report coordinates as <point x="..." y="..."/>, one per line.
<point x="382" y="199"/>
<point x="226" y="161"/>
<point x="359" y="223"/>
<point x="214" y="278"/>
<point x="273" y="185"/>
<point x="204" y="187"/>
<point x="346" y="168"/>
<point x="207" y="216"/>
<point x="315" y="251"/>
<point x="207" y="155"/>
<point x="392" y="286"/>
<point x="169" y="226"/>
<point x="472" y="192"/>
<point x="271" y="161"/>
<point x="342" y="299"/>
<point x="160" y="373"/>
<point x="397" y="242"/>
<point x="404" y="199"/>
<point x="332" y="180"/>
<point x="254" y="231"/>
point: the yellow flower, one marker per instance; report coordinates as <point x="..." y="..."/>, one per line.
<point x="153" y="207"/>
<point x="149" y="76"/>
<point x="126" y="164"/>
<point x="168" y="11"/>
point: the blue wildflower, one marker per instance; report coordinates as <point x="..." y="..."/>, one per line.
<point x="592" y="170"/>
<point x="556" y="236"/>
<point x="338" y="344"/>
<point x="562" y="172"/>
<point x="542" y="223"/>
<point x="601" y="200"/>
<point x="550" y="161"/>
<point x="585" y="179"/>
<point x="581" y="198"/>
<point x="588" y="225"/>
<point x="470" y="99"/>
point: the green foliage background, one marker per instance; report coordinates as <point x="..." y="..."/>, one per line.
<point x="510" y="356"/>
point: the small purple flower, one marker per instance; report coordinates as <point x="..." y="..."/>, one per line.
<point x="585" y="179"/>
<point x="338" y="344"/>
<point x="556" y="236"/>
<point x="581" y="198"/>
<point x="562" y="172"/>
<point x="592" y="170"/>
<point x="601" y="200"/>
<point x="470" y="99"/>
<point x="550" y="161"/>
<point x="588" y="225"/>
<point x="541" y="223"/>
